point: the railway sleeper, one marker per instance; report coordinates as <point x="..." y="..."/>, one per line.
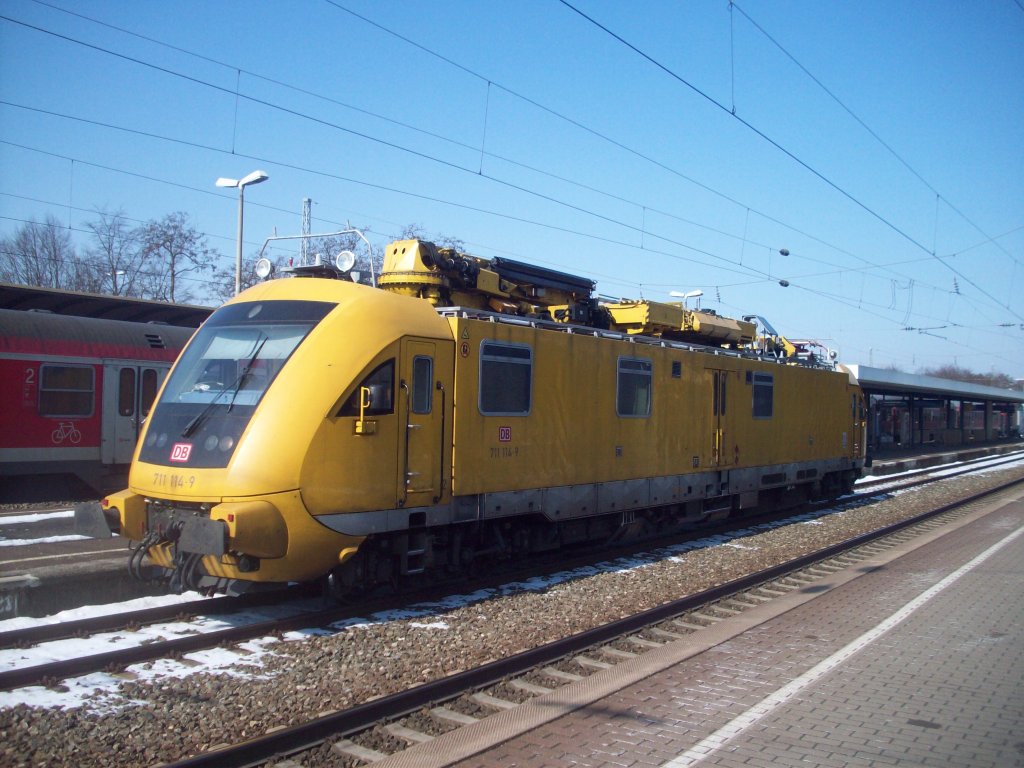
<point x="531" y="688"/>
<point x="408" y="735"/>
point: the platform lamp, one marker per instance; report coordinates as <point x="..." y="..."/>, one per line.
<point x="255" y="177"/>
<point x="114" y="275"/>
<point x="687" y="296"/>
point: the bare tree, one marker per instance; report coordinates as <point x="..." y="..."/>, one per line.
<point x="114" y="254"/>
<point x="40" y="254"/>
<point x="956" y="373"/>
<point x="415" y="231"/>
<point x="173" y="249"/>
<point x="222" y="282"/>
<point x="328" y="248"/>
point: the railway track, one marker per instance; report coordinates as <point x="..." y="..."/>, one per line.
<point x="925" y="475"/>
<point x="310" y="613"/>
<point x="355" y="734"/>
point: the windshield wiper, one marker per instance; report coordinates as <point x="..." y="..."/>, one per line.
<point x="247" y="370"/>
<point x="200" y="417"/>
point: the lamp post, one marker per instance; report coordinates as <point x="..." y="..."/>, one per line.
<point x="687" y="296"/>
<point x="255" y="177"/>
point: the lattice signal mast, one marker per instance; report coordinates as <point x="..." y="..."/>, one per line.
<point x="307" y="205"/>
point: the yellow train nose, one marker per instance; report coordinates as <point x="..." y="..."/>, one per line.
<point x="254" y="528"/>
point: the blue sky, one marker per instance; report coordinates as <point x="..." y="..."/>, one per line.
<point x="528" y="131"/>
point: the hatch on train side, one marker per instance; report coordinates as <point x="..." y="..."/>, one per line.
<point x="424" y="415"/>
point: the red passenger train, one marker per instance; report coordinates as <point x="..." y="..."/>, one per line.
<point x="74" y="392"/>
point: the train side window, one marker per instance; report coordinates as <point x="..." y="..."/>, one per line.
<point x="764" y="395"/>
<point x="506" y="379"/>
<point x="633" y="398"/>
<point x="148" y="395"/>
<point x="422" y="384"/>
<point x="126" y="392"/>
<point x="67" y="390"/>
<point x="381" y="383"/>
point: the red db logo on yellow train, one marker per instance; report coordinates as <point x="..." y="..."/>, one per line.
<point x="181" y="451"/>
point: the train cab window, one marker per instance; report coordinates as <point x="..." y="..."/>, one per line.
<point x="381" y="383"/>
<point x="66" y="390"/>
<point x="506" y="379"/>
<point x="422" y="384"/>
<point x="764" y="395"/>
<point x="633" y="398"/>
<point x="126" y="392"/>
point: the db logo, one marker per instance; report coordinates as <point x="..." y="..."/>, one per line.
<point x="504" y="434"/>
<point x="181" y="451"/>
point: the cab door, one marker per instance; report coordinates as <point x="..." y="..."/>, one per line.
<point x="129" y="390"/>
<point x="424" y="410"/>
<point x="722" y="438"/>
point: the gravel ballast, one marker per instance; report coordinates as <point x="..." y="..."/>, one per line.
<point x="150" y="723"/>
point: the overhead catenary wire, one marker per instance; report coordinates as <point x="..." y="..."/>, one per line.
<point x="642" y="229"/>
<point x="395" y="121"/>
<point x="395" y="190"/>
<point x="489" y="83"/>
<point x="874" y="134"/>
<point x="360" y="134"/>
<point x="745" y="270"/>
<point x="593" y="132"/>
<point x="757" y="131"/>
<point x="405" y="192"/>
<point x="614" y="142"/>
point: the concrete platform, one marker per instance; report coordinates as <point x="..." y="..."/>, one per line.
<point x="892" y="462"/>
<point x="43" y="578"/>
<point x="915" y="658"/>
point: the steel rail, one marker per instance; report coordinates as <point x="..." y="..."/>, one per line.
<point x="307" y="735"/>
<point x="912" y="478"/>
<point x="120" y="658"/>
<point x="112" y="622"/>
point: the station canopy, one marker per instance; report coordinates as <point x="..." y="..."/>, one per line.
<point x="79" y="304"/>
<point x="886" y="381"/>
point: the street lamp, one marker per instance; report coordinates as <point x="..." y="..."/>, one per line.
<point x="687" y="296"/>
<point x="116" y="274"/>
<point x="253" y="178"/>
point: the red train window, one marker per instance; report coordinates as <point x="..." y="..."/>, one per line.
<point x="126" y="392"/>
<point x="149" y="386"/>
<point x="66" y="390"/>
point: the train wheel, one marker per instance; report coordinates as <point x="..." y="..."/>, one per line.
<point x="346" y="582"/>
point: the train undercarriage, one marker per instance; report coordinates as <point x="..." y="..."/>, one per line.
<point x="423" y="554"/>
<point x="425" y="551"/>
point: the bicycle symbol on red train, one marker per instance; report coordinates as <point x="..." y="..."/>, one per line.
<point x="66" y="429"/>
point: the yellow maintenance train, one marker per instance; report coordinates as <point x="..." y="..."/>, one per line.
<point x="466" y="410"/>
